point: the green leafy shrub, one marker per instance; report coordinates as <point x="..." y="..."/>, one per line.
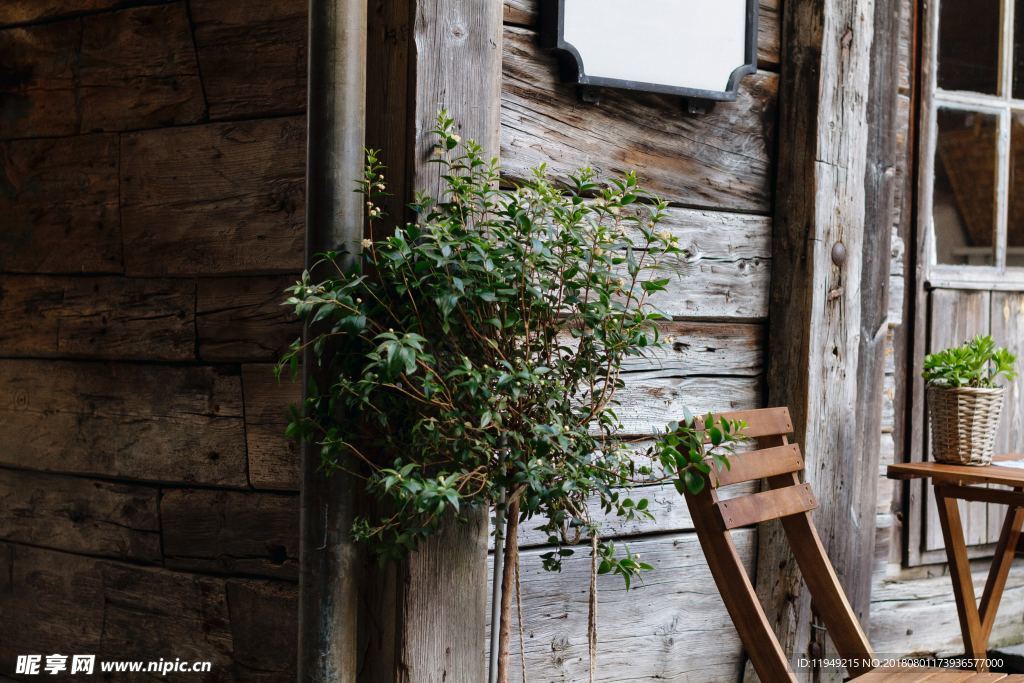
<point x="976" y="363"/>
<point x="475" y="353"/>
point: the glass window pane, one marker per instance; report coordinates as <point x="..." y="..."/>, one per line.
<point x="1015" y="224"/>
<point x="968" y="47"/>
<point x="963" y="204"/>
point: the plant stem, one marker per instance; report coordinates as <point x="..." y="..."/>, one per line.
<point x="508" y="585"/>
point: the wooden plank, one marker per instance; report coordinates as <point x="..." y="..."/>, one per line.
<point x="956" y="316"/>
<point x="38" y="93"/>
<point x="652" y="636"/>
<point x="80" y="515"/>
<point x="915" y="613"/>
<point x="703" y="348"/>
<point x="647" y="404"/>
<point x="230" y="532"/>
<point x="718" y="160"/>
<point x="273" y="458"/>
<point x="28" y="11"/>
<point x="141" y="422"/>
<point x="763" y="422"/>
<point x="244" y="319"/>
<point x="760" y="464"/>
<point x="58" y="602"/>
<point x="97" y="317"/>
<point x="137" y="69"/>
<point x="525" y="13"/>
<point x="961" y="474"/>
<point x="815" y="303"/>
<point x="252" y="56"/>
<point x="264" y="621"/>
<point x="59" y="198"/>
<point x="216" y="199"/>
<point x="766" y="505"/>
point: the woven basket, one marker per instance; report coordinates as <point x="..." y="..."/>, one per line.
<point x="964" y="423"/>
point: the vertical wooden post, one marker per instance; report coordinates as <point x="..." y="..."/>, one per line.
<point x="827" y="293"/>
<point x="428" y="621"/>
<point x="328" y="587"/>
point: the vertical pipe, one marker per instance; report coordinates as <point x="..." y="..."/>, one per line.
<point x="334" y="221"/>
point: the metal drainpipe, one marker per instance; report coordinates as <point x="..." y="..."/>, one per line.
<point x="328" y="589"/>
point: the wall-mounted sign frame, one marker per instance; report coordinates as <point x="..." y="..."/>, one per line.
<point x="696" y="49"/>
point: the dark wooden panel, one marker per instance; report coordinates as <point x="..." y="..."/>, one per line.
<point x="27" y="11"/>
<point x="99" y="317"/>
<point x="717" y="160"/>
<point x="273" y="458"/>
<point x="214" y="199"/>
<point x="243" y="319"/>
<point x="252" y="55"/>
<point x="57" y="602"/>
<point x="135" y="68"/>
<point x="230" y="532"/>
<point x="80" y="515"/>
<point x="38" y="88"/>
<point x="138" y="69"/>
<point x="59" y="200"/>
<point x="143" y="422"/>
<point x="524" y="13"/>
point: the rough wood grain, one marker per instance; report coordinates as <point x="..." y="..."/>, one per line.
<point x="698" y="348"/>
<point x="649" y="633"/>
<point x="137" y="69"/>
<point x="57" y="602"/>
<point x="525" y="13"/>
<point x="815" y="305"/>
<point x="28" y="11"/>
<point x="252" y="56"/>
<point x="80" y="515"/>
<point x="230" y="532"/>
<point x="215" y="199"/>
<point x="59" y="199"/>
<point x="648" y="403"/>
<point x="140" y="422"/>
<point x="273" y="458"/>
<point x="38" y="93"/>
<point x="244" y="319"/>
<point x="718" y="160"/>
<point x="97" y="317"/>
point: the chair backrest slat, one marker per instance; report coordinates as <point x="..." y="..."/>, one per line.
<point x="760" y="464"/>
<point x="766" y="506"/>
<point x="786" y="499"/>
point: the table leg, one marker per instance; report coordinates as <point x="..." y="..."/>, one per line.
<point x="960" y="573"/>
<point x="1005" y="551"/>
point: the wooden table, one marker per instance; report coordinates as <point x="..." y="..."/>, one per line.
<point x="963" y="482"/>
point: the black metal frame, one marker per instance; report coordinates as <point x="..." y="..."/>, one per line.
<point x="572" y="69"/>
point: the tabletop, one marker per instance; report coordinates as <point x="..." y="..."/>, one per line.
<point x="963" y="474"/>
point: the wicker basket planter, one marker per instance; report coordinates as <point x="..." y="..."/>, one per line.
<point x="964" y="422"/>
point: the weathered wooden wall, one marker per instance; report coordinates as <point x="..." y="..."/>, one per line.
<point x="151" y="212"/>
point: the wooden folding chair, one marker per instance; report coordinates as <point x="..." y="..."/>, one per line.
<point x="779" y="463"/>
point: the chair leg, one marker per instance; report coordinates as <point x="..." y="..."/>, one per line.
<point x="1005" y="550"/>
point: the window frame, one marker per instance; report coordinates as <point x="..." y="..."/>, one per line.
<point x="965" y="276"/>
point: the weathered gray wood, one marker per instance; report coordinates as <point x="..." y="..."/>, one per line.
<point x="80" y="515"/>
<point x="230" y="532"/>
<point x="432" y="54"/>
<point x="215" y="199"/>
<point x="648" y="403"/>
<point x="141" y="422"/>
<point x="58" y="602"/>
<point x="252" y="56"/>
<point x="525" y="13"/>
<point x="718" y="160"/>
<point x="698" y="348"/>
<point x="59" y="200"/>
<point x="243" y="319"/>
<point x="913" y="612"/>
<point x="956" y="316"/>
<point x="273" y="457"/>
<point x="101" y="317"/>
<point x="815" y="305"/>
<point x="650" y="632"/>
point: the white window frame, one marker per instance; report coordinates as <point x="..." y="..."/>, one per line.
<point x="955" y="276"/>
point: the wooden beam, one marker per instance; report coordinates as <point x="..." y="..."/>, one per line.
<point x="428" y="622"/>
<point x="816" y="303"/>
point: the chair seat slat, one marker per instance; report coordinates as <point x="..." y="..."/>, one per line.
<point x="765" y="506"/>
<point x="767" y="462"/>
<point x="763" y="421"/>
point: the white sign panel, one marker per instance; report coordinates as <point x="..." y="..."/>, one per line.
<point x="696" y="48"/>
